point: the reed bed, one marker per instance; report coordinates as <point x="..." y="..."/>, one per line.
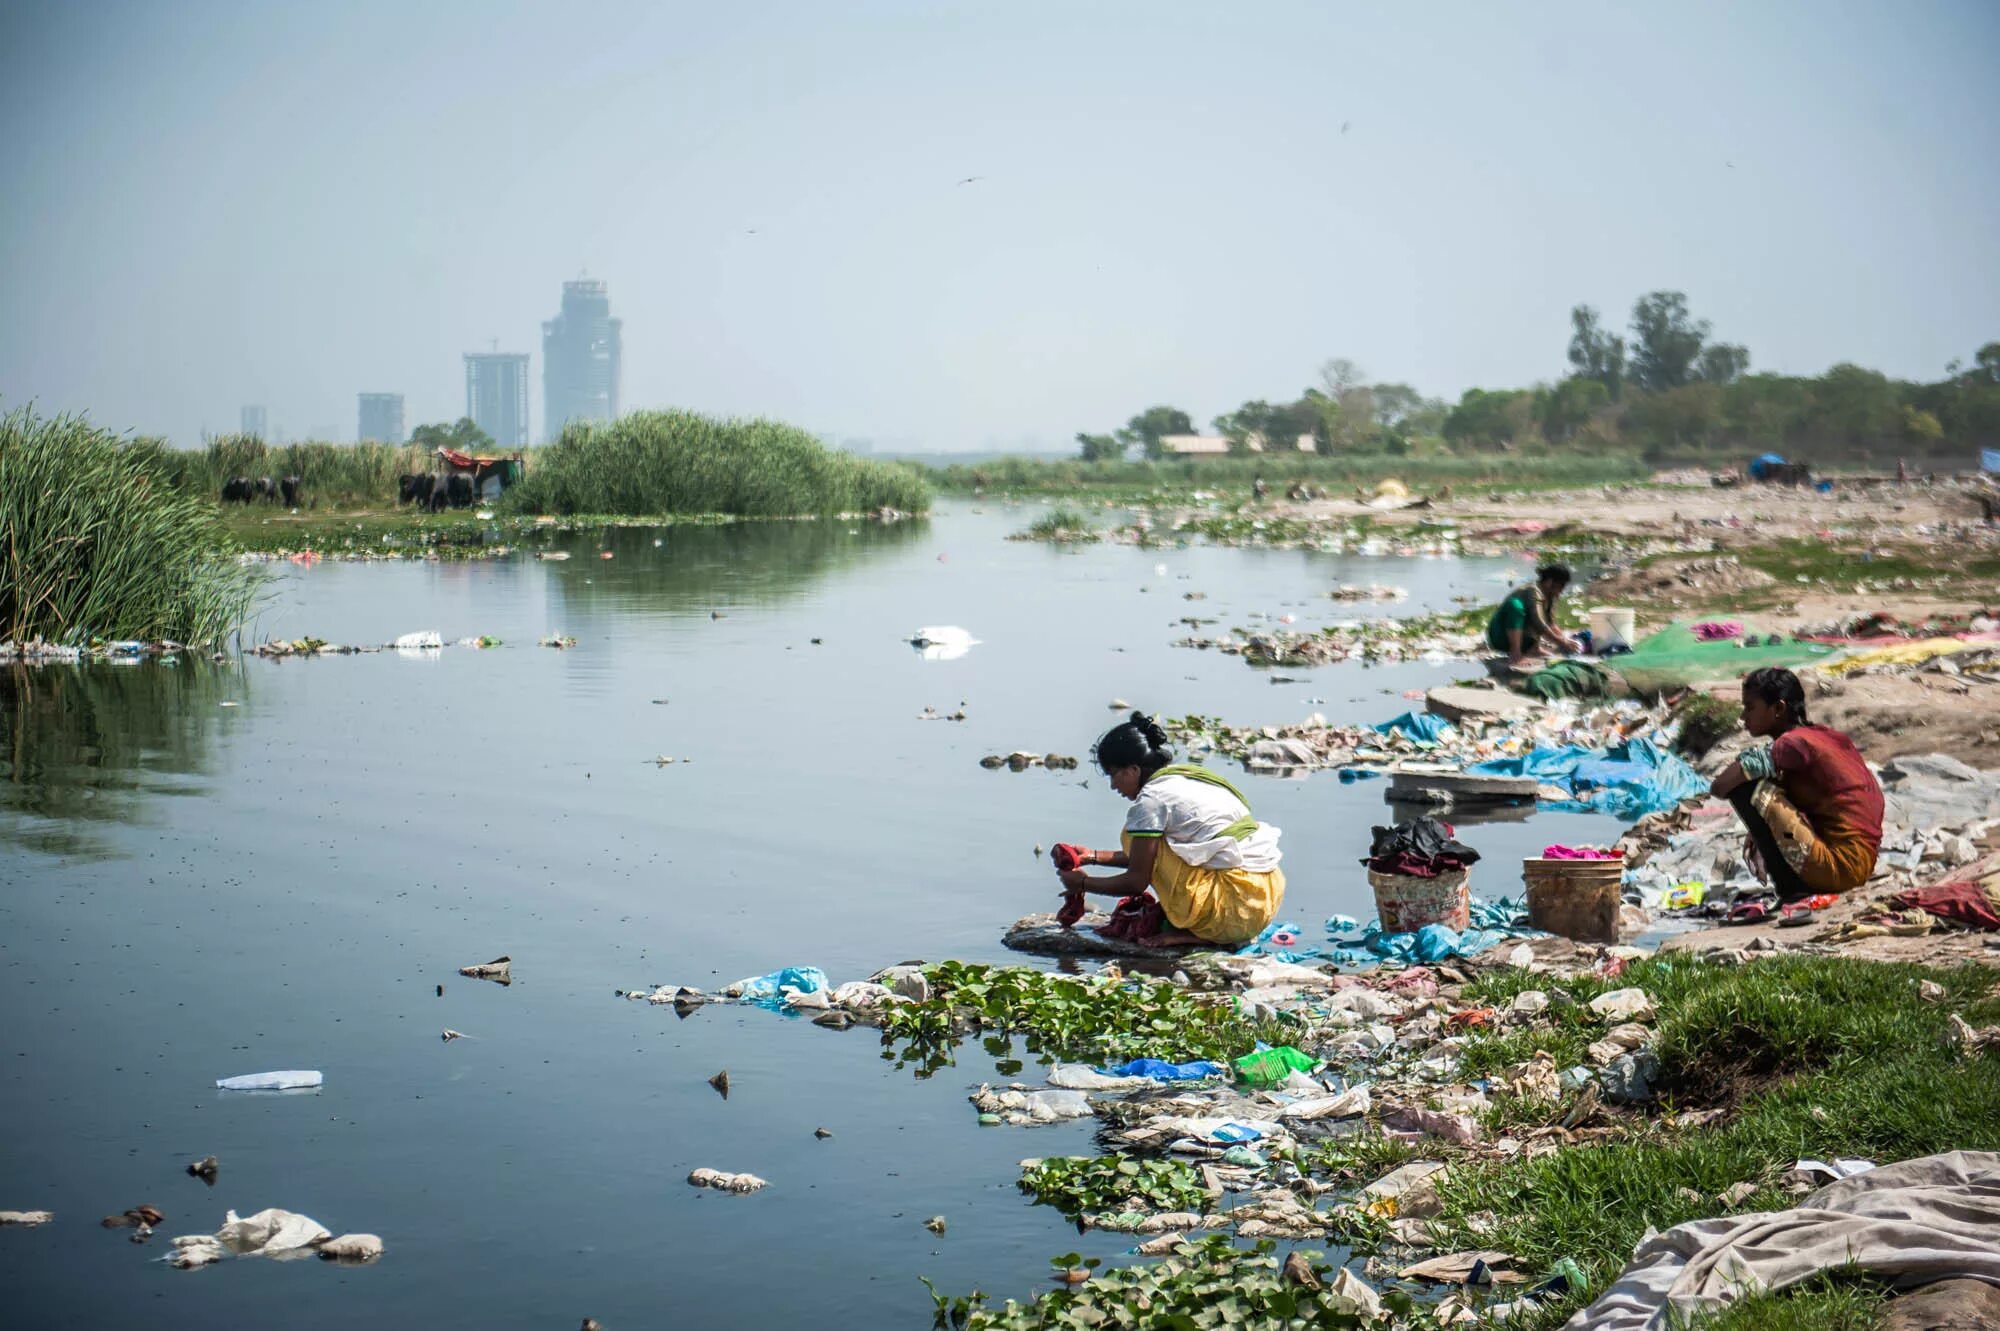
<point x="679" y="462"/>
<point x="347" y="474"/>
<point x="1363" y="470"/>
<point x="98" y="541"/>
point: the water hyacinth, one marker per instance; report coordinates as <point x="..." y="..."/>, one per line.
<point x="97" y="541"/>
<point x="679" y="462"/>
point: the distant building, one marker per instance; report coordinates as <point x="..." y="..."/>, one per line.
<point x="581" y="348"/>
<point x="254" y="423"/>
<point x="496" y="395"/>
<point x="381" y="419"/>
<point x="1217" y="445"/>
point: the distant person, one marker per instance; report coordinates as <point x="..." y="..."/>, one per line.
<point x="1811" y="807"/>
<point x="1190" y="837"/>
<point x="1260" y="490"/>
<point x="1526" y="619"/>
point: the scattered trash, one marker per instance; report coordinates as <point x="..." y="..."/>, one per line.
<point x="137" y="1216"/>
<point x="1457" y="1268"/>
<point x="720" y="1081"/>
<point x="821" y="1133"/>
<point x="724" y="1182"/>
<point x="450" y="1035"/>
<point x="269" y="1233"/>
<point x="935" y="1224"/>
<point x="270" y="1081"/>
<point x="26" y="1219"/>
<point x="945" y="642"/>
<point x="353" y="1248"/>
<point x="1622" y="1005"/>
<point x="499" y="970"/>
<point x="557" y="640"/>
<point x="205" y="1169"/>
<point x="1969" y="1039"/>
<point x="425" y="639"/>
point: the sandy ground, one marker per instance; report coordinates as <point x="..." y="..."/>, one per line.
<point x="1728" y="516"/>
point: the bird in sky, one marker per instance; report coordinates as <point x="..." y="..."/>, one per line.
<point x="1344" y="124"/>
<point x="971" y="179"/>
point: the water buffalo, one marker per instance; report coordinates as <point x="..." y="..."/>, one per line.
<point x="289" y="489"/>
<point x="238" y="490"/>
<point x="436" y="493"/>
<point x="267" y="489"/>
<point x="406" y="487"/>
<point x="460" y="488"/>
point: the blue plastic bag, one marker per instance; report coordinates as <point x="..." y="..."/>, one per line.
<point x="1423" y="727"/>
<point x="1161" y="1070"/>
<point x="768" y="989"/>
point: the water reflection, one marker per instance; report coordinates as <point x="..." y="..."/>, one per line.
<point x="695" y="569"/>
<point x="90" y="745"/>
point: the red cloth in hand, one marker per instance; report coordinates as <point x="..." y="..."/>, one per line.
<point x="1073" y="908"/>
<point x="1066" y="857"/>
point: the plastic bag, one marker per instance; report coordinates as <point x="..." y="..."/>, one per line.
<point x="270" y="1081"/>
<point x="1267" y="1067"/>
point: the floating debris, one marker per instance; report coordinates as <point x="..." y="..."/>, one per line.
<point x="1021" y="760"/>
<point x="499" y="970"/>
<point x="725" y="1182"/>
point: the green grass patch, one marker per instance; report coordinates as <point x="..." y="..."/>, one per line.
<point x="98" y="542"/>
<point x="1836" y="1301"/>
<point x="675" y="462"/>
<point x="1820" y="1057"/>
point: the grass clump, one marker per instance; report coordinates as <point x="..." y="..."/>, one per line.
<point x="1082" y="1018"/>
<point x="659" y="463"/>
<point x="1706" y="721"/>
<point x="1064" y="526"/>
<point x="1085" y="1185"/>
<point x="97" y="542"/>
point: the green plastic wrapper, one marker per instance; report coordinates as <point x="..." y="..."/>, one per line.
<point x="1268" y="1067"/>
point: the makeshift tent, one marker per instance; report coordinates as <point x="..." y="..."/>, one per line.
<point x="1764" y="465"/>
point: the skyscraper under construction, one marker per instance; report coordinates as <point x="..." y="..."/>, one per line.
<point x="580" y="354"/>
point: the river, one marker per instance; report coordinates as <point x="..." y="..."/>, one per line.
<point x="211" y="870"/>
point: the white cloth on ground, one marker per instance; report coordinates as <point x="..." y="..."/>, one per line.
<point x="1914" y="1222"/>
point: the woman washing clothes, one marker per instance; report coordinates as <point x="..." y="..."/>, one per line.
<point x="1190" y="837"/>
<point x="1811" y="807"/>
<point x="1527" y="618"/>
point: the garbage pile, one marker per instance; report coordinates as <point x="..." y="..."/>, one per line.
<point x="1348" y="640"/>
<point x="1613" y="757"/>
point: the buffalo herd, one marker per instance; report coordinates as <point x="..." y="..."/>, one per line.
<point x="433" y="492"/>
<point x="250" y="489"/>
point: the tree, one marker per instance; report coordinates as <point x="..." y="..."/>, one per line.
<point x="1854" y="408"/>
<point x="1595" y="353"/>
<point x="1341" y="375"/>
<point x="461" y="437"/>
<point x="1154" y="424"/>
<point x="1100" y="447"/>
<point x="1563" y="409"/>
<point x="1687" y="419"/>
<point x="1723" y="363"/>
<point x="1666" y="343"/>
<point x="1484" y="419"/>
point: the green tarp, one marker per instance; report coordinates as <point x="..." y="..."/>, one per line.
<point x="1674" y="657"/>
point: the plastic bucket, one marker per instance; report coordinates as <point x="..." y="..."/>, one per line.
<point x="1611" y="626"/>
<point x="1406" y="904"/>
<point x="1578" y="899"/>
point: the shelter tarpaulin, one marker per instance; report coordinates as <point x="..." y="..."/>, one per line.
<point x="1674" y="657"/>
<point x="1629" y="780"/>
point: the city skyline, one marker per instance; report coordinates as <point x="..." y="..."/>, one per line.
<point x="1178" y="204"/>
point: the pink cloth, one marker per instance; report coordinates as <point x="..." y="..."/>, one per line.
<point x="1580" y="853"/>
<point x="1717" y="630"/>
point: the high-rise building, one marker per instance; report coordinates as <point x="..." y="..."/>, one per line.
<point x="381" y="419"/>
<point x="496" y="395"/>
<point x="254" y="423"/>
<point x="580" y="354"/>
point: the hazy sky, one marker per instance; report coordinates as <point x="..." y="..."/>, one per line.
<point x="203" y="205"/>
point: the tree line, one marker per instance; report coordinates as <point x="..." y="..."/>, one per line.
<point x="1665" y="390"/>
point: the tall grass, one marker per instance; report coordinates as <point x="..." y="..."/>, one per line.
<point x="96" y="541"/>
<point x="678" y="462"/>
<point x="348" y="474"/>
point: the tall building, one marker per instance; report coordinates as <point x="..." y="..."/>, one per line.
<point x="496" y="395"/>
<point x="381" y="419"/>
<point x="580" y="354"/>
<point x="254" y="423"/>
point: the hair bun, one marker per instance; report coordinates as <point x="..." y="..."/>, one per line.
<point x="1151" y="729"/>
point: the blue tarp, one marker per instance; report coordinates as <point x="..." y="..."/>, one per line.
<point x="768" y="990"/>
<point x="1762" y="465"/>
<point x="1989" y="459"/>
<point x="1628" y="780"/>
<point x="1420" y="726"/>
<point x="1492" y="922"/>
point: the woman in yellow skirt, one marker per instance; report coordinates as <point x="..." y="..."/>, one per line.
<point x="1190" y="837"/>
